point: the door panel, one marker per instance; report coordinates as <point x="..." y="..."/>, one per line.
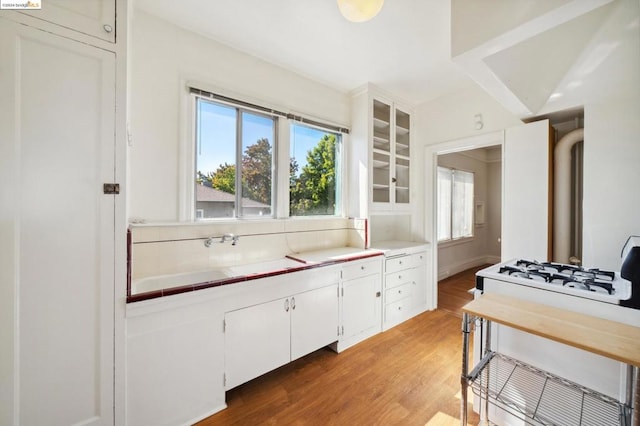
<point x="314" y="320"/>
<point x="526" y="223"/>
<point x="360" y="305"/>
<point x="256" y="341"/>
<point x="57" y="152"/>
<point x="86" y="16"/>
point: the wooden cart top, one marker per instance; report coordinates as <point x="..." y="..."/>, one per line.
<point x="607" y="338"/>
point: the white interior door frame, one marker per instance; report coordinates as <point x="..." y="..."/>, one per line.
<point x="430" y="193"/>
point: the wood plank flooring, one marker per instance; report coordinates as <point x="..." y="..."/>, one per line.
<point x="409" y="375"/>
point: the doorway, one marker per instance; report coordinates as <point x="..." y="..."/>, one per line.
<point x="463" y="204"/>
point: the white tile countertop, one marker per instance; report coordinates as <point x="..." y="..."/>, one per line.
<point x="392" y="248"/>
<point x="334" y="254"/>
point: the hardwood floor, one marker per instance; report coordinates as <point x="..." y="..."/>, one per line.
<point x="409" y="375"/>
<point x="453" y="291"/>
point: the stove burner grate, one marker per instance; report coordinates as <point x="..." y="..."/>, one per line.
<point x="567" y="275"/>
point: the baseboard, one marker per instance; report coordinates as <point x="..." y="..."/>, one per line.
<point x="455" y="268"/>
<point x="205" y="415"/>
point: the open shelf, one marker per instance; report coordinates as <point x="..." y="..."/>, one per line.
<point x="401" y="130"/>
<point x="380" y="124"/>
<point x="533" y="394"/>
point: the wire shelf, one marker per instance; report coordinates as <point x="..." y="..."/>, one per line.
<point x="531" y="393"/>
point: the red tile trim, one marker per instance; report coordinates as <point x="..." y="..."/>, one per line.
<point x="226" y="281"/>
<point x="128" y="263"/>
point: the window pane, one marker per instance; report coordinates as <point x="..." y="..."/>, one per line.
<point x="257" y="164"/>
<point x="215" y="160"/>
<point x="444" y="204"/>
<point x="313" y="172"/>
<point x="462" y="204"/>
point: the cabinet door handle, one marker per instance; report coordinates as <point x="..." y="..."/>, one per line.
<point x="399" y="276"/>
<point x="293" y="303"/>
<point x="362" y="267"/>
<point x="286" y="305"/>
<point x="107" y="28"/>
<point x="378" y="294"/>
<point x="399" y="291"/>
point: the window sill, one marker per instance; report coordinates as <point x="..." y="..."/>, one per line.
<point x="451" y="243"/>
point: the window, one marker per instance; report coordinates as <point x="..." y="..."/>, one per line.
<point x="314" y="171"/>
<point x="455" y="204"/>
<point x="234" y="161"/>
<point x="241" y="168"/>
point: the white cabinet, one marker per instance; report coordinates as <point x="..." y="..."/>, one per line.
<point x="381" y="142"/>
<point x="57" y="145"/>
<point x="405" y="288"/>
<point x="360" y="301"/>
<point x="263" y="337"/>
<point x="95" y="18"/>
<point x="527" y="206"/>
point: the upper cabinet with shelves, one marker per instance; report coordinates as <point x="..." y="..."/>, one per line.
<point x="380" y="154"/>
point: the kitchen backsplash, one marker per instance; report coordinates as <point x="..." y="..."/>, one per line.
<point x="175" y="248"/>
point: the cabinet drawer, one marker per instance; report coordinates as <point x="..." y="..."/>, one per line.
<point x="397" y="311"/>
<point x="418" y="259"/>
<point x="398" y="263"/>
<point x="361" y="269"/>
<point x="396" y="278"/>
<point x="400" y="292"/>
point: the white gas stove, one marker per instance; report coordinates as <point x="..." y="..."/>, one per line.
<point x="586" y="283"/>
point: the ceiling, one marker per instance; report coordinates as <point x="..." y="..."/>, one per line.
<point x="405" y="50"/>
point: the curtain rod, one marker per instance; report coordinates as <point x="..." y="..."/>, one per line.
<point x="271" y="111"/>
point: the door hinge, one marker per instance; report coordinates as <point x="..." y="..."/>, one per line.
<point x="111" y="188"/>
<point x="342" y="331"/>
<point x="224" y="380"/>
<point x="338" y="330"/>
<point x="342" y="291"/>
<point x="224" y="325"/>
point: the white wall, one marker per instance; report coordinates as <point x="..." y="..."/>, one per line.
<point x="494" y="209"/>
<point x="163" y="58"/>
<point x="605" y="80"/>
<point x="447" y="119"/>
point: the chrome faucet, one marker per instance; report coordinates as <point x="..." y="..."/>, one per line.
<point x="226" y="237"/>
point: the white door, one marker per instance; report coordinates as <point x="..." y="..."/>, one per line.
<point x="256" y="341"/>
<point x="57" y="108"/>
<point x="526" y="210"/>
<point x="361" y="305"/>
<point x="314" y="320"/>
<point x="92" y="17"/>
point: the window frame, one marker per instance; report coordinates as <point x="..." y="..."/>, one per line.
<point x="339" y="169"/>
<point x="239" y="111"/>
<point x="280" y="180"/>
<point x="451" y="240"/>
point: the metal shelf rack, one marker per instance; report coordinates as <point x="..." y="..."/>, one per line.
<point x="535" y="396"/>
<point x="539" y="396"/>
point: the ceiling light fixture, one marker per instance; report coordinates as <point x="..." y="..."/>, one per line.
<point x="359" y="10"/>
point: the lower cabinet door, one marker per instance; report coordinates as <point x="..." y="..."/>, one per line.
<point x="256" y="341"/>
<point x="361" y="305"/>
<point x="314" y="320"/>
